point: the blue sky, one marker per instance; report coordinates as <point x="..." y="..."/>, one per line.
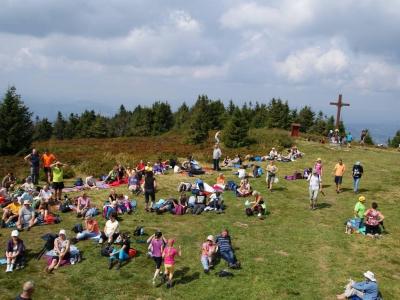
<point x="77" y="55"/>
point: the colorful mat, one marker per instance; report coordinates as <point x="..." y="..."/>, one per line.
<point x="116" y="183"/>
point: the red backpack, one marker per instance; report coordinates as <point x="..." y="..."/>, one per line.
<point x="49" y="219"/>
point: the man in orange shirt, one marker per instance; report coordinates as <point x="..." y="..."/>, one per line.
<point x="48" y="159"/>
<point x="339" y="171"/>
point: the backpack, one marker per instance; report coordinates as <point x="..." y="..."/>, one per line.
<point x="178" y="210"/>
<point x="133" y="205"/>
<point x="49" y="219"/>
<point x="106" y="211"/>
<point x="230" y="184"/>
<point x="50" y="241"/>
<point x="77" y="228"/>
<point x="235" y="189"/>
<point x="78" y="182"/>
<point x="260" y="171"/>
<point x="64" y="208"/>
<point x="5" y="203"/>
<point x="224" y="273"/>
<point x="136" y="232"/>
<point x="106" y="251"/>
<point x="249" y="212"/>
<point x="132" y="253"/>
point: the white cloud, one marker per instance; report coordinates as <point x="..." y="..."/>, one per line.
<point x="183" y="20"/>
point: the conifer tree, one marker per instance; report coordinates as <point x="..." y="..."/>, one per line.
<point x="235" y="133"/>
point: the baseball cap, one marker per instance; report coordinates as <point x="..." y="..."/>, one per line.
<point x="14" y="233"/>
<point x="358" y="163"/>
<point x="27" y="202"/>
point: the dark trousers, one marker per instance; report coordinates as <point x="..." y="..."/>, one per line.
<point x="216" y="165"/>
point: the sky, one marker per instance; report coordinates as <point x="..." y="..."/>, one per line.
<point x="74" y="55"/>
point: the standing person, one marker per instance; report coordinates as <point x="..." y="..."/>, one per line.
<point x="33" y="160"/>
<point x="374" y="217"/>
<point x="359" y="210"/>
<point x="27" y="291"/>
<point x="339" y="171"/>
<point x="315" y="186"/>
<point x="47" y="159"/>
<point x="349" y="140"/>
<point x="169" y="261"/>
<point x="367" y="289"/>
<point x="225" y="249"/>
<point x="149" y="187"/>
<point x="123" y="253"/>
<point x="156" y="247"/>
<point x="216" y="155"/>
<point x="207" y="254"/>
<point x="217" y="137"/>
<point x="356" y="174"/>
<point x="271" y="173"/>
<point x="318" y="165"/>
<point x="362" y="139"/>
<point x="58" y="178"/>
<point x="14" y="251"/>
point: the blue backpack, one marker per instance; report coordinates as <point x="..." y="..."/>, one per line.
<point x="231" y="184"/>
<point x="78" y="182"/>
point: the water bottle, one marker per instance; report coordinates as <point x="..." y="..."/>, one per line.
<point x="141" y="231"/>
<point x="72" y="261"/>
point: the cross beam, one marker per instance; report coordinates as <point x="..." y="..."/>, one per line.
<point x="339" y="105"/>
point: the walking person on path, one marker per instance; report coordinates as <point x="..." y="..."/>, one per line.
<point x="315" y="186"/>
<point x="339" y="171"/>
<point x="356" y="174"/>
<point x="169" y="261"/>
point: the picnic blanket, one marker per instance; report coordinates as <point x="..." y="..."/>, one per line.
<point x="72" y="189"/>
<point x="118" y="183"/>
<point x="102" y="185"/>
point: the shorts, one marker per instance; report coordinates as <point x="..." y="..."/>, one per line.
<point x="371" y="229"/>
<point x="47" y="169"/>
<point x="66" y="257"/>
<point x="169" y="269"/>
<point x="338" y="179"/>
<point x="58" y="185"/>
<point x="270" y="178"/>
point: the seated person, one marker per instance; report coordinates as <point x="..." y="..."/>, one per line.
<point x="90" y="182"/>
<point x="185" y="186"/>
<point x="195" y="171"/>
<point x="129" y="171"/>
<point x="307" y="172"/>
<point x="27" y="185"/>
<point x="244" y="188"/>
<point x="164" y="164"/>
<point x="121" y="172"/>
<point x="15" y="249"/>
<point x="207" y="254"/>
<point x="83" y="205"/>
<point x="26" y="216"/>
<point x="112" y="176"/>
<point x="122" y="254"/>
<point x="273" y="153"/>
<point x="172" y="162"/>
<point x="148" y="167"/>
<point x="226" y="161"/>
<point x="43" y="209"/>
<point x="45" y="194"/>
<point x="221" y="181"/>
<point x="200" y="203"/>
<point x="28" y="195"/>
<point x="124" y="202"/>
<point x="367" y="289"/>
<point x="216" y="203"/>
<point x="158" y="169"/>
<point x="140" y="169"/>
<point x="11" y="212"/>
<point x="280" y="157"/>
<point x="193" y="163"/>
<point x="235" y="162"/>
<point x="185" y="165"/>
<point x="258" y="203"/>
<point x="9" y="181"/>
<point x="183" y="201"/>
<point x="242" y="172"/>
<point x="134" y="183"/>
<point x="113" y="196"/>
<point x="61" y="251"/>
<point x="254" y="172"/>
<point x="177" y="169"/>
<point x="111" y="230"/>
<point x="166" y="206"/>
<point x="92" y="229"/>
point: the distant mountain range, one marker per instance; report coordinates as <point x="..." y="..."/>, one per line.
<point x="380" y="132"/>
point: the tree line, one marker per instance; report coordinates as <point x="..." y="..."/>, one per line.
<point x="18" y="130"/>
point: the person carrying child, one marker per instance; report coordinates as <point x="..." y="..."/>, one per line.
<point x="169" y="261"/>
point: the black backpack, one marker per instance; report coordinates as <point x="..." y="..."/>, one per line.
<point x="64" y="207"/>
<point x="249" y="212"/>
<point x="136" y="232"/>
<point x="77" y="228"/>
<point x="50" y="241"/>
<point x="106" y="251"/>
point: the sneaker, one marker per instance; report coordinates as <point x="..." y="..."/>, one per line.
<point x="26" y="228"/>
<point x="168" y="285"/>
<point x="154" y="281"/>
<point x="110" y="264"/>
<point x="310" y="206"/>
<point x="76" y="257"/>
<point x="337" y="192"/>
<point x="206" y="271"/>
<point x="238" y="265"/>
<point x="99" y="245"/>
<point x="259" y="215"/>
<point x="232" y="266"/>
<point x="314" y="207"/>
<point x="17" y="266"/>
<point x="22" y="264"/>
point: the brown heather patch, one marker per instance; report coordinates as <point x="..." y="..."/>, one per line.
<point x="281" y="252"/>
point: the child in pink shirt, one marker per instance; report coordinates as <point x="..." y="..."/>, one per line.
<point x="169" y="261"/>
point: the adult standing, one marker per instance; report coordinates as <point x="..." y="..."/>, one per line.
<point x="362" y="139"/>
<point x="359" y="210"/>
<point x="33" y="160"/>
<point x="47" y="159"/>
<point x="149" y="187"/>
<point x="216" y="155"/>
<point x="356" y="174"/>
<point x="339" y="171"/>
<point x="27" y="291"/>
<point x="315" y="186"/>
<point x="217" y="137"/>
<point x="58" y="178"/>
<point x="367" y="289"/>
<point x="349" y="140"/>
<point x="271" y="173"/>
<point x="225" y="249"/>
<point x="374" y="217"/>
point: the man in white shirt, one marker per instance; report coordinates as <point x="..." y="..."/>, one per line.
<point x="315" y="186"/>
<point x="216" y="155"/>
<point x="45" y="194"/>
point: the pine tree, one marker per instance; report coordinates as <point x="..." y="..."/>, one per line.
<point x="306" y="118"/>
<point x="58" y="128"/>
<point x="235" y="133"/>
<point x="163" y="118"/>
<point x="368" y="138"/>
<point x="395" y="142"/>
<point x="43" y="130"/>
<point x="98" y="129"/>
<point x="16" y="126"/>
<point x="198" y="125"/>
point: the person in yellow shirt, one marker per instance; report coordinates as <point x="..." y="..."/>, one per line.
<point x="339" y="171"/>
<point x="10" y="212"/>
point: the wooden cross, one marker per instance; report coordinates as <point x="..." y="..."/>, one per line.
<point x="339" y="105"/>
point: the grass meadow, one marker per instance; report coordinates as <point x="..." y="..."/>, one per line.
<point x="295" y="253"/>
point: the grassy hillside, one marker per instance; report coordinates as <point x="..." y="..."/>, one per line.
<point x="295" y="253"/>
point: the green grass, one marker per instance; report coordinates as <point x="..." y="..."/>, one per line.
<point x="294" y="253"/>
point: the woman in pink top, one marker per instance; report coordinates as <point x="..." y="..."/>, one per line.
<point x="374" y="218"/>
<point x="92" y="229"/>
<point x="207" y="254"/>
<point x="169" y="261"/>
<point x="156" y="247"/>
<point x="83" y="205"/>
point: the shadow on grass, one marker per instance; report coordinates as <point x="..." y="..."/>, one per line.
<point x="184" y="278"/>
<point x="362" y="190"/>
<point x="279" y="189"/>
<point x="326" y="186"/>
<point x="324" y="205"/>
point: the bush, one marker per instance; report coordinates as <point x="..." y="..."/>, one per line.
<point x="269" y="138"/>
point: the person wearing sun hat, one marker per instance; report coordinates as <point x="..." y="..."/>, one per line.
<point x="366" y="290"/>
<point x="61" y="251"/>
<point x="315" y="188"/>
<point x="359" y="210"/>
<point x="14" y="251"/>
<point x="207" y="254"/>
<point x="356" y="174"/>
<point x="26" y="216"/>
